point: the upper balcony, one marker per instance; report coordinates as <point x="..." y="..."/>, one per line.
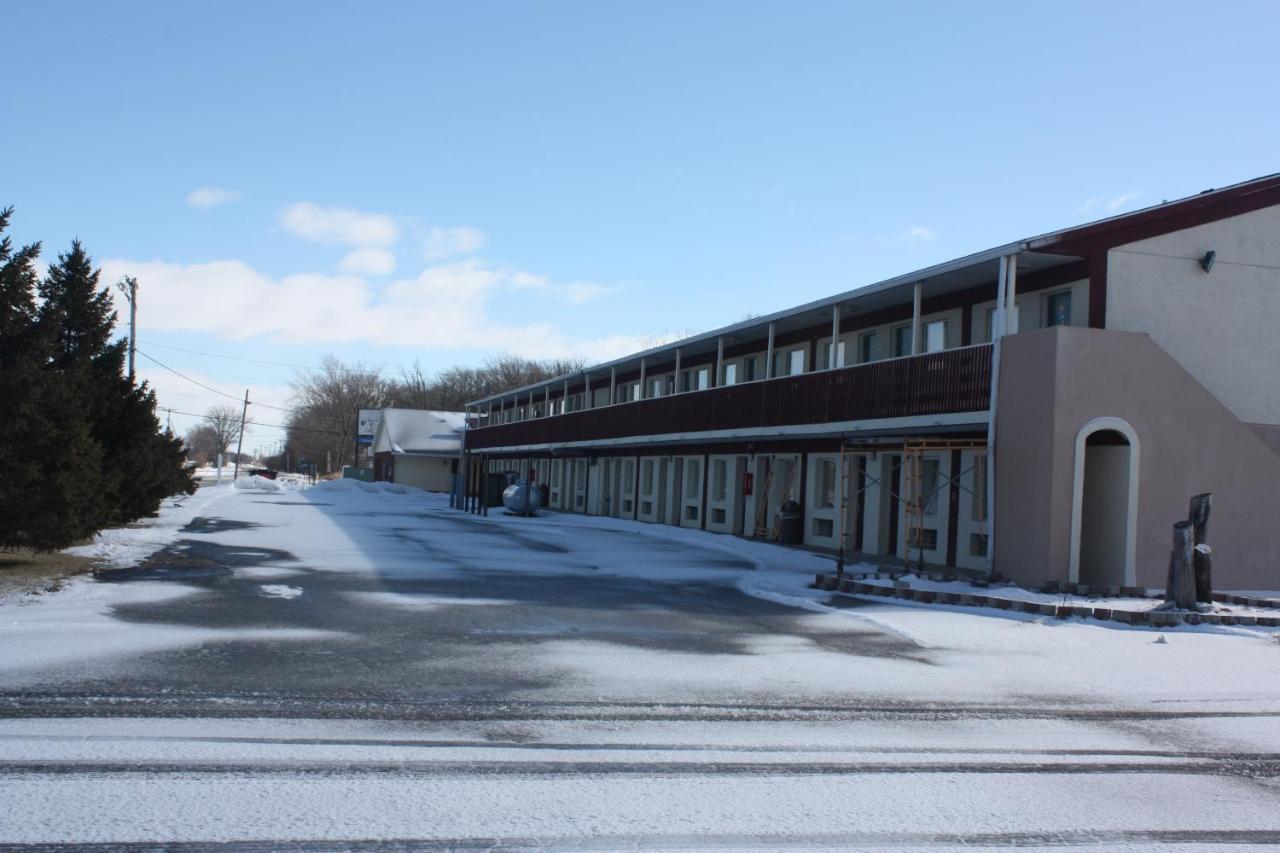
<point x="951" y="381"/>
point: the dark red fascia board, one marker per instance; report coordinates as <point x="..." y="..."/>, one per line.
<point x="1092" y="242"/>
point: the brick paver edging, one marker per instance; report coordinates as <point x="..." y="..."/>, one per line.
<point x="1154" y="618"/>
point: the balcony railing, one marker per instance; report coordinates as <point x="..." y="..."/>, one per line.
<point x="957" y="380"/>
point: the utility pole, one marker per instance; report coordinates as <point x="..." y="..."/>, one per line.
<point x="240" y="441"/>
<point x="129" y="287"/>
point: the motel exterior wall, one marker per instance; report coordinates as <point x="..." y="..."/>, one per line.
<point x="1055" y="382"/>
<point x="1221" y="325"/>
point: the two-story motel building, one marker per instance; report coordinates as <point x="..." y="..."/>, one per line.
<point x="1044" y="409"/>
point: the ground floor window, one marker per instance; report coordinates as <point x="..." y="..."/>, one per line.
<point x="826" y="494"/>
<point x="720" y="480"/>
<point x="692" y="478"/>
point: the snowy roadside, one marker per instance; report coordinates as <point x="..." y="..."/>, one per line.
<point x="120" y="546"/>
<point x="127" y="546"/>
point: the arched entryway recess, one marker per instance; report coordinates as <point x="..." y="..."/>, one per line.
<point x="1104" y="504"/>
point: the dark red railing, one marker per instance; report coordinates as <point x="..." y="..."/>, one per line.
<point x="957" y="380"/>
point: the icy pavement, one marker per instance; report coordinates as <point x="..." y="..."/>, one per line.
<point x="355" y="665"/>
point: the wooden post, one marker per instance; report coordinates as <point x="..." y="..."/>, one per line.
<point x="1202" y="556"/>
<point x="1182" y="582"/>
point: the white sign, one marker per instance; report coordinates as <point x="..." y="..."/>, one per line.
<point x="367" y="422"/>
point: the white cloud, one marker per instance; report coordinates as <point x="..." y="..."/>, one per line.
<point x="368" y="261"/>
<point x="1123" y="200"/>
<point x="1097" y="204"/>
<point x="211" y="197"/>
<point x="443" y="307"/>
<point x="918" y="234"/>
<point x="339" y="225"/>
<point x="575" y="293"/>
<point x="441" y="243"/>
<point x="174" y="392"/>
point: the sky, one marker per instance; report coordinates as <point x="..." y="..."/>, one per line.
<point x="438" y="183"/>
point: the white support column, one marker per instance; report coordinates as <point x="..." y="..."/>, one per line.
<point x="718" y="379"/>
<point x="835" y="338"/>
<point x="768" y="356"/>
<point x="565" y="402"/>
<point x="613" y="385"/>
<point x="998" y="321"/>
<point x="547" y="402"/>
<point x="917" y="293"/>
<point x="1011" y="306"/>
<point x="1000" y="318"/>
<point x="677" y="370"/>
<point x="586" y="390"/>
<point x="644" y="389"/>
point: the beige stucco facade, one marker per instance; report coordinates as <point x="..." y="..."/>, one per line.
<point x="1053" y="383"/>
<point x="1220" y="325"/>
<point x="432" y="473"/>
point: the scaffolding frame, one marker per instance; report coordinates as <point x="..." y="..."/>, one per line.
<point x="912" y="450"/>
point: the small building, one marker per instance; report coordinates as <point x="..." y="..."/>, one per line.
<point x="418" y="448"/>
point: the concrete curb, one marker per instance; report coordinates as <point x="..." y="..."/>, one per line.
<point x="1155" y="618"/>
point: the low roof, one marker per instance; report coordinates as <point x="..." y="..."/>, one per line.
<point x="419" y="431"/>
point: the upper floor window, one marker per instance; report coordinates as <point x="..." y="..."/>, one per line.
<point x="701" y="379"/>
<point x="788" y="363"/>
<point x="935" y="336"/>
<point x="826" y="355"/>
<point x="1058" y="309"/>
<point x="868" y="348"/>
<point x="902" y="341"/>
<point x="749" y="369"/>
<point x="730" y="373"/>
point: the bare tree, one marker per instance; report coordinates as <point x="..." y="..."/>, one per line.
<point x="223" y="422"/>
<point x="201" y="444"/>
<point x="452" y="389"/>
<point x="322" y="427"/>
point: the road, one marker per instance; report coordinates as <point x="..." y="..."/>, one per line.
<point x="338" y="670"/>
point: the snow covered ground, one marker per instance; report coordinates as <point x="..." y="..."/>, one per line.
<point x="356" y="662"/>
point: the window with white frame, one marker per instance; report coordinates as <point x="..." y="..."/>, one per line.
<point x="827" y="476"/>
<point x="692" y="478"/>
<point x="935" y="336"/>
<point x="719" y="479"/>
<point x="730" y="374"/>
<point x="826" y="355"/>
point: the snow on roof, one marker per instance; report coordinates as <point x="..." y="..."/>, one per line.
<point x="419" y="431"/>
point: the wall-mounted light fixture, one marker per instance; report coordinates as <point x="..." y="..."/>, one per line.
<point x="1206" y="263"/>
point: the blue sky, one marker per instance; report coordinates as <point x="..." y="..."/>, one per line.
<point x="392" y="182"/>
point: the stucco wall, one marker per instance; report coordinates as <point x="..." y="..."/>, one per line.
<point x="424" y="472"/>
<point x="1222" y="325"/>
<point x="1052" y="383"/>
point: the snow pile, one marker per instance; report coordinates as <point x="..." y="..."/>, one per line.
<point x="379" y="488"/>
<point x="255" y="483"/>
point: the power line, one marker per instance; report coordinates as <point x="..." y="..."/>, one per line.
<point x="261" y="424"/>
<point x="265" y="361"/>
<point x="215" y="390"/>
<point x="188" y="378"/>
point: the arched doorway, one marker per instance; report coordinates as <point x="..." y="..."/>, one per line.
<point x="1104" y="504"/>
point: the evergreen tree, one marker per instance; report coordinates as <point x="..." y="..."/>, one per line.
<point x="139" y="466"/>
<point x="50" y="467"/>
